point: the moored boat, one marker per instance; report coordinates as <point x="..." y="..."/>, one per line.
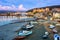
<point x="51" y="26"/>
<point x="24" y="33"/>
<point x="27" y="27"/>
<point x="56" y="37"/>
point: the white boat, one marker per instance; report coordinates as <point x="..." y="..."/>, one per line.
<point x="24" y="33"/>
<point x="46" y="33"/>
<point x="57" y="24"/>
<point x="51" y="26"/>
<point x="29" y="26"/>
<point x="45" y="36"/>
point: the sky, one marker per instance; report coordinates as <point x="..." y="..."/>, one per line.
<point x="26" y="4"/>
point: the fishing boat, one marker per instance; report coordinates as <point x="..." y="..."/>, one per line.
<point x="24" y="33"/>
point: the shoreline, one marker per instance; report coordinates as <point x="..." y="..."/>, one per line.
<point x="8" y="32"/>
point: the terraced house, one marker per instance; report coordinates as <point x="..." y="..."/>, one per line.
<point x="45" y="12"/>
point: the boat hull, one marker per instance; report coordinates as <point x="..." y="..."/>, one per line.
<point x="19" y="38"/>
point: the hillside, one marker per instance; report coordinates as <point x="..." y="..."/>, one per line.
<point x="9" y="11"/>
<point x="54" y="6"/>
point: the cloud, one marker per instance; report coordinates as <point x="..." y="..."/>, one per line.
<point x="21" y="7"/>
<point x="12" y="7"/>
<point x="7" y="7"/>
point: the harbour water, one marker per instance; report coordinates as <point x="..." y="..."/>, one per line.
<point x="8" y="19"/>
<point x="10" y="31"/>
<point x="7" y="32"/>
<point x="5" y="20"/>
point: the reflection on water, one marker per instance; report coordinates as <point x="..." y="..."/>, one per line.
<point x="8" y="19"/>
<point x="5" y="20"/>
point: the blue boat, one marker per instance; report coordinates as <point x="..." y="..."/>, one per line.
<point x="56" y="37"/>
<point x="24" y="33"/>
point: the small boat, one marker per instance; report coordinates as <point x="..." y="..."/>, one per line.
<point x="24" y="33"/>
<point x="51" y="26"/>
<point x="45" y="35"/>
<point x="28" y="27"/>
<point x="54" y="30"/>
<point x="57" y="24"/>
<point x="56" y="37"/>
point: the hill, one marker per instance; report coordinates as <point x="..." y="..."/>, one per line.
<point x="50" y="7"/>
<point x="8" y="11"/>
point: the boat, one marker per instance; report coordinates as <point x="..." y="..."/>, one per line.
<point x="54" y="30"/>
<point x="56" y="37"/>
<point x="27" y="27"/>
<point x="57" y="24"/>
<point x="24" y="33"/>
<point x="45" y="35"/>
<point x="51" y="26"/>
